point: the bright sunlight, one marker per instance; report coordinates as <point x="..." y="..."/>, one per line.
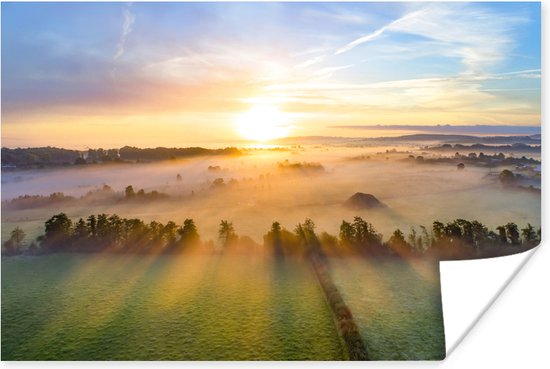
<point x="263" y="123"/>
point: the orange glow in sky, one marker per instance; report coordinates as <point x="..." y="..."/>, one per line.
<point x="177" y="74"/>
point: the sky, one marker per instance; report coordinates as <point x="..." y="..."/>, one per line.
<point x="175" y="74"/>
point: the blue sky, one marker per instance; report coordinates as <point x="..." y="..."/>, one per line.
<point x="192" y="67"/>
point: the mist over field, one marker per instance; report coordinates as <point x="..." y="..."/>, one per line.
<point x="263" y="186"/>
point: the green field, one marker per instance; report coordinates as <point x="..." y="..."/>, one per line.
<point x="397" y="305"/>
<point x="122" y="307"/>
<point x="198" y="307"/>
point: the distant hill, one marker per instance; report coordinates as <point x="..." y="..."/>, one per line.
<point x="487" y="148"/>
<point x="464" y="139"/>
<point x="164" y="153"/>
<point x="413" y="138"/>
<point x="478" y="129"/>
<point x="37" y="157"/>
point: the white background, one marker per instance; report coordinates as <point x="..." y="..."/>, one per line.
<point x="515" y="332"/>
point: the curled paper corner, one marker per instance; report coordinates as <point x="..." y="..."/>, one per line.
<point x="470" y="287"/>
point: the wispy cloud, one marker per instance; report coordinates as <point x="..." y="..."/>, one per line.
<point x="474" y="35"/>
<point x="329" y="71"/>
<point x="128" y="21"/>
<point x="374" y="35"/>
<point x="214" y="62"/>
<point x="311" y="61"/>
<point x="461" y="93"/>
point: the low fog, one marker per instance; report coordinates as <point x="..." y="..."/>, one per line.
<point x="263" y="186"/>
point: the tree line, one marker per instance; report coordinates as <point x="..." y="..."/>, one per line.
<point x="54" y="156"/>
<point x="456" y="239"/>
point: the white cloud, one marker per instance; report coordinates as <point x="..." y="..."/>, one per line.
<point x="216" y="62"/>
<point x="374" y="35"/>
<point x="329" y="71"/>
<point x="464" y="92"/>
<point x="128" y="21"/>
<point x="474" y="35"/>
<point x="311" y="61"/>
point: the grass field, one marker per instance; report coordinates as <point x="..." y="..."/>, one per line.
<point x="397" y="305"/>
<point x="109" y="307"/>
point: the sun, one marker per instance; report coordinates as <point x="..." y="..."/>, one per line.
<point x="263" y="122"/>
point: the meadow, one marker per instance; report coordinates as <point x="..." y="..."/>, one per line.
<point x="190" y="307"/>
<point x="396" y="304"/>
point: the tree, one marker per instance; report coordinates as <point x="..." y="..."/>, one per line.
<point x="129" y="192"/>
<point x="189" y="234"/>
<point x="438" y="229"/>
<point x="413" y="240"/>
<point x="169" y="232"/>
<point x="453" y="231"/>
<point x="480" y="233"/>
<point x="102" y="226"/>
<point x="507" y="177"/>
<point x="92" y="225"/>
<point x="276" y="229"/>
<point x="14" y="244"/>
<point x="115" y="227"/>
<point x="57" y="232"/>
<point x="502" y="234"/>
<point x="492" y="237"/>
<point x="17" y="236"/>
<point x="92" y="155"/>
<point x="227" y="233"/>
<point x="427" y="240"/>
<point x="309" y="226"/>
<point x="135" y="232"/>
<point x="79" y="161"/>
<point x="155" y="229"/>
<point x="529" y="234"/>
<point x="513" y="233"/>
<point x="273" y="240"/>
<point x="398" y="243"/>
<point x="80" y="229"/>
<point x="365" y="234"/>
<point x="347" y="233"/>
<point x="466" y="230"/>
<point x="218" y="183"/>
<point x="306" y="233"/>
